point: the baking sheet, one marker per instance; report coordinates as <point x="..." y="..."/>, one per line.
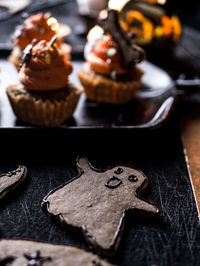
<point x="173" y="239"/>
<point x="147" y="110"/>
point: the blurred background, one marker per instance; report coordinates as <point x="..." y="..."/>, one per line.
<point x="187" y="10"/>
<point x="177" y="52"/>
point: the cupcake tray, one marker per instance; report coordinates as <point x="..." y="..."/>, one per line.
<point x="150" y="108"/>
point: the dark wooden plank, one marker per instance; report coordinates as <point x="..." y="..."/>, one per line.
<point x="191" y="143"/>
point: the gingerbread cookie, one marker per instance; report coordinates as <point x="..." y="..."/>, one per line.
<point x="27" y="253"/>
<point x="11" y="180"/>
<point x="96" y="202"/>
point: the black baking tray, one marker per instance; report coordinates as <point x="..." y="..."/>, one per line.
<point x="149" y="109"/>
<point x="172" y="239"/>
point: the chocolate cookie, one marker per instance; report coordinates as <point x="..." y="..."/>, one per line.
<point x="11" y="180"/>
<point x="96" y="202"/>
<point x="27" y="253"/>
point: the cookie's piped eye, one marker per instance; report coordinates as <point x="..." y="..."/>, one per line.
<point x="118" y="171"/>
<point x="113" y="182"/>
<point x="132" y="178"/>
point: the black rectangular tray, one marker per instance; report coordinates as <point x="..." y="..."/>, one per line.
<point x="147" y="110"/>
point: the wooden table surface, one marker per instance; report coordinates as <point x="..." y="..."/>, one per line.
<point x="191" y="141"/>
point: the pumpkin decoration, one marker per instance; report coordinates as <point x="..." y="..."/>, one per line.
<point x="149" y="23"/>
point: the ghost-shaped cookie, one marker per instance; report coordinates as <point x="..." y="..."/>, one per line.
<point x="33" y="253"/>
<point x="12" y="180"/>
<point x="96" y="202"/>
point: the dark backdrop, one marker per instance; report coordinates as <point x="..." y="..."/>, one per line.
<point x="187" y="10"/>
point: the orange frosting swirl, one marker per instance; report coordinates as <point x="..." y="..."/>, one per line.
<point x="34" y="27"/>
<point x="46" y="69"/>
<point x="105" y="56"/>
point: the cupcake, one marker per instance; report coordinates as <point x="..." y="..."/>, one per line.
<point x="39" y="27"/>
<point x="44" y="97"/>
<point x="110" y="74"/>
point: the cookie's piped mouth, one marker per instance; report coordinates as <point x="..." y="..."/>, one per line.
<point x="113" y="182"/>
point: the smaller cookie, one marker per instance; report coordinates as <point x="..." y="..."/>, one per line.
<point x="12" y="180"/>
<point x="96" y="203"/>
<point x="27" y="253"/>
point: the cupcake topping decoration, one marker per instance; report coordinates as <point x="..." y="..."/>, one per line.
<point x="34" y="27"/>
<point x="130" y="54"/>
<point x="111" y="52"/>
<point x="113" y="74"/>
<point x="26" y="54"/>
<point x="53" y="40"/>
<point x="104" y="58"/>
<point x="46" y="69"/>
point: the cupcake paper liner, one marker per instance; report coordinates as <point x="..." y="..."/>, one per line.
<point x="101" y="89"/>
<point x="42" y="112"/>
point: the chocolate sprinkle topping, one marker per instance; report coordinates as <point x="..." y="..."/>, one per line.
<point x="130" y="54"/>
<point x="27" y="54"/>
<point x="53" y="40"/>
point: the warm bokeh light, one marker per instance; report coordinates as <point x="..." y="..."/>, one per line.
<point x="176" y="28"/>
<point x="138" y="24"/>
<point x="161" y="2"/>
<point x="103" y="14"/>
<point x="143" y="26"/>
<point x="94" y="33"/>
<point x="167" y="25"/>
<point x="117" y="4"/>
<point x="53" y="23"/>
